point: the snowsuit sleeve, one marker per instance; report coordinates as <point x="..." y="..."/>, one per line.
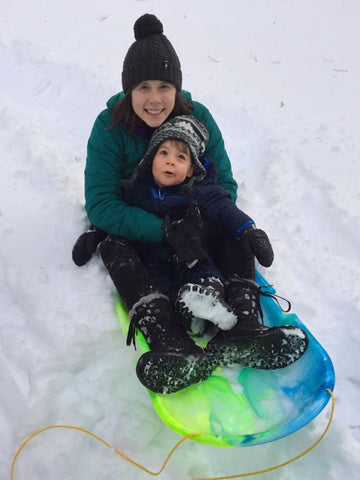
<point x="216" y="205"/>
<point x="111" y="157"/>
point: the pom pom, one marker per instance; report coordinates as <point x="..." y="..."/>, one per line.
<point x="147" y="25"/>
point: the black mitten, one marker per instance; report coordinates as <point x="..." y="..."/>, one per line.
<point x="86" y="245"/>
<point x="185" y="236"/>
<point x="260" y="245"/>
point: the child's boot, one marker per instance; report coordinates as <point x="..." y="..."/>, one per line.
<point x="174" y="360"/>
<point x="203" y="302"/>
<point x="249" y="343"/>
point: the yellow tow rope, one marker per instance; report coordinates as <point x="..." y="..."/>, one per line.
<point x="138" y="465"/>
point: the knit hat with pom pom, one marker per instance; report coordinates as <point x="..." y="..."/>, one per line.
<point x="151" y="56"/>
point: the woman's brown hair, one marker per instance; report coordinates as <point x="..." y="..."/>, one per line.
<point x="123" y="113"/>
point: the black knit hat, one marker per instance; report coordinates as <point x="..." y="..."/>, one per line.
<point x="151" y="56"/>
<point x="186" y="128"/>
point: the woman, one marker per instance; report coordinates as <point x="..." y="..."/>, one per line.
<point x="152" y="81"/>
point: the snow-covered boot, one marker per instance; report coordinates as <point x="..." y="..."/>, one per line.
<point x="174" y="360"/>
<point x="251" y="344"/>
<point x="203" y="302"/>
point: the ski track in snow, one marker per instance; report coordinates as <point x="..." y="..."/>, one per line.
<point x="62" y="357"/>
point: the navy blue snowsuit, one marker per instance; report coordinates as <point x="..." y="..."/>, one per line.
<point x="216" y="207"/>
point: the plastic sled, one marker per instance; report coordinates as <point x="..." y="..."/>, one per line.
<point x="239" y="406"/>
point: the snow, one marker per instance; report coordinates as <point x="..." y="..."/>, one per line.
<point x="281" y="79"/>
<point x="205" y="304"/>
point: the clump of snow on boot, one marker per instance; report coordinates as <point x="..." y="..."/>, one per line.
<point x="205" y="303"/>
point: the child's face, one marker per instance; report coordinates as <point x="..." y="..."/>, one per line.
<point x="172" y="163"/>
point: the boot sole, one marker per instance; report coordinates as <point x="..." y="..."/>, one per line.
<point x="273" y="349"/>
<point x="170" y="372"/>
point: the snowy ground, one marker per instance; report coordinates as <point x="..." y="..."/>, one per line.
<point x="282" y="80"/>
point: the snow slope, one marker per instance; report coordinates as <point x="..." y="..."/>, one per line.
<point x="282" y="80"/>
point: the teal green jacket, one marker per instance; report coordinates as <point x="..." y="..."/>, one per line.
<point x="112" y="156"/>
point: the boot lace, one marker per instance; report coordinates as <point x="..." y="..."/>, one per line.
<point x="271" y="294"/>
<point x="265" y="291"/>
<point x="130" y="339"/>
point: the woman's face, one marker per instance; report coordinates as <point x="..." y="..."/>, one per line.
<point x="153" y="101"/>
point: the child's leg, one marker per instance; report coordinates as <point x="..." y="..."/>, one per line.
<point x="159" y="262"/>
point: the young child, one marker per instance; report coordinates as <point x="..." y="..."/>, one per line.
<point x="174" y="181"/>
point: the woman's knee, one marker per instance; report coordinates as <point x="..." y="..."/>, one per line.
<point x="116" y="247"/>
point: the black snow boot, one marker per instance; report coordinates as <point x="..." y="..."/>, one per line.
<point x="249" y="343"/>
<point x="174" y="360"/>
<point x="203" y="302"/>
